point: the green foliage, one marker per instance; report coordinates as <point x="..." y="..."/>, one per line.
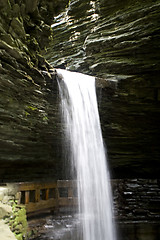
<point x="29" y="108"/>
<point x="27" y="113"/>
<point x="18" y="221"/>
<point x="45" y="118"/>
<point x="42" y="114"/>
<point x="32" y="108"/>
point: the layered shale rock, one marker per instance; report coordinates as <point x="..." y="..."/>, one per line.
<point x="114" y="40"/>
<point x="28" y="126"/>
<point x="118" y="41"/>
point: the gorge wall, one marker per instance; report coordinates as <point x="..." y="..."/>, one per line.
<point x="28" y="122"/>
<point x="118" y="41"/>
<point x="114" y="40"/>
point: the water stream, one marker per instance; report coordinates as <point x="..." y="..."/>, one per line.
<point x="87" y="153"/>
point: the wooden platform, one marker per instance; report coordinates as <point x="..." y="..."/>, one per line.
<point x="39" y="197"/>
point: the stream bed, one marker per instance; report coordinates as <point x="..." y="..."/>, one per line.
<point x="68" y="227"/>
<point x="63" y="227"/>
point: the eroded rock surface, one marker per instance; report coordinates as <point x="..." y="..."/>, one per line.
<point x="114" y="40"/>
<point x="28" y="123"/>
<point x="118" y="40"/>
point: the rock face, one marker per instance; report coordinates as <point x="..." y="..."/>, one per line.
<point x="119" y="41"/>
<point x="28" y="126"/>
<point x="114" y="40"/>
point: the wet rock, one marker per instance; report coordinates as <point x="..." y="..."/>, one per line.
<point x="31" y="5"/>
<point x="139" y="205"/>
<point x="17" y="29"/>
<point x="28" y="102"/>
<point x="118" y="41"/>
<point x="115" y="41"/>
<point x="4" y="210"/>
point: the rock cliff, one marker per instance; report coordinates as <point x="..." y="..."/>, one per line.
<point x="114" y="40"/>
<point x="118" y="41"/>
<point x="28" y="142"/>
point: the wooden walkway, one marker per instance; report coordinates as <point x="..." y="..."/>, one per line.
<point x="39" y="197"/>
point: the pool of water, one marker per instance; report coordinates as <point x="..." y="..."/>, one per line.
<point x="64" y="227"/>
<point x="68" y="227"/>
<point x="139" y="230"/>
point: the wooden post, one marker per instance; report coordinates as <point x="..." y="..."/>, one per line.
<point x="26" y="197"/>
<point x="47" y="194"/>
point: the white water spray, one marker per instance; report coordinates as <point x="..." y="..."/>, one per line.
<point x="83" y="131"/>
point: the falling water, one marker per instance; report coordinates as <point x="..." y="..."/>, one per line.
<point x="83" y="132"/>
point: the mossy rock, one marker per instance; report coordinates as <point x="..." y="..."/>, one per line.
<point x="18" y="221"/>
<point x="19" y="236"/>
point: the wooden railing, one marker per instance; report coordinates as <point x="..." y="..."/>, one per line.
<point x="38" y="197"/>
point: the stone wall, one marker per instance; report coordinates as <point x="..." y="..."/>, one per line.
<point x="137" y="208"/>
<point x="137" y="200"/>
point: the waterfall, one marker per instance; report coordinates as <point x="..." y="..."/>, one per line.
<point x="87" y="154"/>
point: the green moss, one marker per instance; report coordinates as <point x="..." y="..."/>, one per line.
<point x="18" y="221"/>
<point x="32" y="108"/>
<point x="19" y="236"/>
<point x="45" y="118"/>
<point x="27" y="114"/>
